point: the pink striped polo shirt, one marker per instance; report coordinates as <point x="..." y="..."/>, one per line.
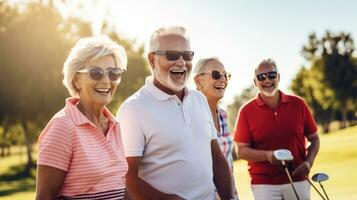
<point x="95" y="163"/>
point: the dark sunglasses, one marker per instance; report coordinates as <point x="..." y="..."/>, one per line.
<point x="97" y="73"/>
<point x="269" y="75"/>
<point x="216" y="75"/>
<point x="175" y="55"/>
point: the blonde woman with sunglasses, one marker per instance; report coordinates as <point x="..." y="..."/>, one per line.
<point x="81" y="153"/>
<point x="212" y="79"/>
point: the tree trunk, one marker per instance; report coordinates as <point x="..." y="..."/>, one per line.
<point x="326" y="127"/>
<point x="5" y="145"/>
<point x="344" y="112"/>
<point x="28" y="141"/>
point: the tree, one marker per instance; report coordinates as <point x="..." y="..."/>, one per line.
<point x="34" y="45"/>
<point x="238" y="102"/>
<point x="308" y="84"/>
<point x="340" y="70"/>
<point x="332" y="75"/>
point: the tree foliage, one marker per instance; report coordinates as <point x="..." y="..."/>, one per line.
<point x="330" y="84"/>
<point x="34" y="45"/>
<point x="239" y="101"/>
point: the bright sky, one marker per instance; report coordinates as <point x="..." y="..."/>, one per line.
<point x="241" y="33"/>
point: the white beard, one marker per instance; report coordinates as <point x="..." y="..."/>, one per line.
<point x="269" y="94"/>
<point x="165" y="79"/>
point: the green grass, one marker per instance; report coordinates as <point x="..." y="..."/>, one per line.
<point x="14" y="184"/>
<point x="337" y="158"/>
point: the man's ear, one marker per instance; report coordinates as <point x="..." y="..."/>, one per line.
<point x="151" y="59"/>
<point x="255" y="83"/>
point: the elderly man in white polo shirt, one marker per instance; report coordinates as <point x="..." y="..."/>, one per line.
<point x="168" y="132"/>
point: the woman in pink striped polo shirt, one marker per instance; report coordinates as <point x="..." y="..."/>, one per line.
<point x="81" y="153"/>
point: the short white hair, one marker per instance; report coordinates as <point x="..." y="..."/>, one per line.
<point x="267" y="61"/>
<point x="88" y="50"/>
<point x="200" y="65"/>
<point x="164" y="31"/>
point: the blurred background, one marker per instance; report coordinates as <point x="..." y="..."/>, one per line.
<point x="312" y="43"/>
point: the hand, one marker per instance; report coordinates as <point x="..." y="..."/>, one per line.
<point x="271" y="158"/>
<point x="173" y="197"/>
<point x="303" y="169"/>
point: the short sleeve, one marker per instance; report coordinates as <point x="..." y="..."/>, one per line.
<point x="310" y="126"/>
<point x="131" y="131"/>
<point x="242" y="133"/>
<point x="55" y="148"/>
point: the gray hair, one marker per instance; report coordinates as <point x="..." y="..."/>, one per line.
<point x="268" y="61"/>
<point x="88" y="50"/>
<point x="164" y="31"/>
<point x="200" y="65"/>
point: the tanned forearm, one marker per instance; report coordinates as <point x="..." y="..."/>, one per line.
<point x="222" y="176"/>
<point x="139" y="189"/>
<point x="247" y="153"/>
<point x="313" y="149"/>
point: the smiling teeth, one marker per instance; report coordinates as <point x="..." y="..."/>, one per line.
<point x="102" y="90"/>
<point x="177" y="71"/>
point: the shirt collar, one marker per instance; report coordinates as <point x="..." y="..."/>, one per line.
<point x="156" y="92"/>
<point x="283" y="99"/>
<point x="79" y="118"/>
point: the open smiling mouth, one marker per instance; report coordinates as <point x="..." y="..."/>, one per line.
<point x="220" y="87"/>
<point x="178" y="72"/>
<point x="269" y="86"/>
<point x="103" y="91"/>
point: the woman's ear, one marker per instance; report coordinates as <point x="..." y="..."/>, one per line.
<point x="197" y="82"/>
<point x="76" y="83"/>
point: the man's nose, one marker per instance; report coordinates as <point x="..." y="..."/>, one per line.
<point x="181" y="61"/>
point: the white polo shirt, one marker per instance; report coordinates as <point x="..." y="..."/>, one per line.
<point x="173" y="138"/>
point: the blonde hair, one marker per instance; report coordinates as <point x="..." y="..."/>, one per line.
<point x="88" y="50"/>
<point x="164" y="31"/>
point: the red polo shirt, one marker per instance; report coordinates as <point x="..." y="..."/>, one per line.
<point x="283" y="128"/>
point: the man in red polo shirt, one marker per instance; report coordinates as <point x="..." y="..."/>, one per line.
<point x="271" y="121"/>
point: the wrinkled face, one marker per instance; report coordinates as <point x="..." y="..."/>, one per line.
<point x="211" y="88"/>
<point x="172" y="75"/>
<point x="269" y="86"/>
<point x="98" y="92"/>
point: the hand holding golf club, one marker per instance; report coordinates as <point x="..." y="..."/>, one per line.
<point x="272" y="159"/>
<point x="284" y="155"/>
<point x="303" y="169"/>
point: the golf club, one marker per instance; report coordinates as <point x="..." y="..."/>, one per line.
<point x="285" y="155"/>
<point x="307" y="178"/>
<point x="321" y="177"/>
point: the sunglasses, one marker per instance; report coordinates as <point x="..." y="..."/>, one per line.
<point x="97" y="73"/>
<point x="269" y="75"/>
<point x="175" y="55"/>
<point x="216" y="75"/>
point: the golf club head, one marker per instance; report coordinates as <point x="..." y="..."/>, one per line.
<point x="283" y="155"/>
<point x="320" y="177"/>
